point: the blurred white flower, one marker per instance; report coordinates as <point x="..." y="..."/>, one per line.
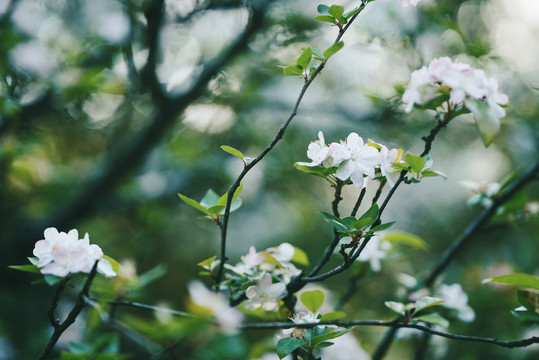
<point x="483" y="192"/>
<point x="456" y="299"/>
<point x="405" y="3"/>
<point x="344" y="347"/>
<point x="374" y="251"/>
<point x="227" y="317"/>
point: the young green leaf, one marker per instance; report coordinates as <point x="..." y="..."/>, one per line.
<point x="405" y="238"/>
<point x="223" y="199"/>
<point x="325" y="18"/>
<point x="368" y="218"/>
<point x="349" y="14"/>
<point x="211" y="198"/>
<point x="287" y="345"/>
<point x="300" y="257"/>
<point x="416" y="162"/>
<point x="332" y="50"/>
<point x="52" y="280"/>
<point x="28" y="268"/>
<point x="518" y="279"/>
<point x="194" y="203"/>
<point x="383" y="226"/>
<point x="312" y="299"/>
<point x="293" y="70"/>
<point x="335" y="315"/>
<point x="426" y="302"/>
<point x="433" y="173"/>
<point x="332" y="335"/>
<point x="433" y="319"/>
<point x="337" y="223"/>
<point x="336" y="11"/>
<point x="115" y="264"/>
<point x="207" y="263"/>
<point x="322" y="9"/>
<point x="304" y="59"/>
<point x="397" y="307"/>
<point x="486" y="119"/>
<point x="232" y="151"/>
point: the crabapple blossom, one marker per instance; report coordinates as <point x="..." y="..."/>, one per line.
<point x="355" y="158"/>
<point x="264" y="294"/>
<point x="227" y="317"/>
<point x="301" y="318"/>
<point x="387" y="158"/>
<point x="317" y="151"/>
<point x="463" y="82"/>
<point x="63" y="253"/>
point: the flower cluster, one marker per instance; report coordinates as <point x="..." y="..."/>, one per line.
<point x="461" y="81"/>
<point x="301" y="318"/>
<point x="61" y="254"/>
<point x="263" y="268"/>
<point x="482" y="192"/>
<point x="355" y="159"/>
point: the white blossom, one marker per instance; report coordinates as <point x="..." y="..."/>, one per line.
<point x="374" y="251"/>
<point x="482" y="192"/>
<point x="405" y="3"/>
<point x="227" y="317"/>
<point x="456" y="299"/>
<point x="264" y="294"/>
<point x="317" y="151"/>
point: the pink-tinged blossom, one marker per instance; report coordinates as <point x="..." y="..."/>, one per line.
<point x="405" y="3"/>
<point x="317" y="151"/>
<point x="463" y="82"/>
<point x="249" y="262"/>
<point x="228" y="318"/>
<point x="355" y="159"/>
<point x="61" y="254"/>
<point x="264" y="294"/>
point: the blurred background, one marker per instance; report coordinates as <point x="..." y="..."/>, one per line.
<point x="108" y="109"/>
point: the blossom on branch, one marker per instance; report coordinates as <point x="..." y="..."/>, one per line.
<point x="61" y="254"/>
<point x="317" y="151"/>
<point x="264" y="294"/>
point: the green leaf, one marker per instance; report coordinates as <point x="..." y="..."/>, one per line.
<point x="322" y="9"/>
<point x="27" y="268"/>
<point x="337" y="223"/>
<point x="293" y="70"/>
<point x="433" y="173"/>
<point x="332" y="335"/>
<point x="335" y="315"/>
<point x="368" y="218"/>
<point x="434" y="103"/>
<point x="405" y="238"/>
<point x="211" y="198"/>
<point x="486" y="119"/>
<point x="397" y="307"/>
<point x="312" y="299"/>
<point x="336" y="11"/>
<point x="115" y="264"/>
<point x="300" y="257"/>
<point x="433" y="319"/>
<point x="232" y="151"/>
<point x="426" y="302"/>
<point x="416" y="162"/>
<point x="305" y="58"/>
<point x="324" y="344"/>
<point x="332" y="50"/>
<point x="325" y="18"/>
<point x="223" y="199"/>
<point x="316" y="170"/>
<point x="526" y="317"/>
<point x="207" y="263"/>
<point x="318" y="54"/>
<point x="52" y="280"/>
<point x="518" y="279"/>
<point x="194" y="203"/>
<point x="287" y="345"/>
<point x="383" y="226"/>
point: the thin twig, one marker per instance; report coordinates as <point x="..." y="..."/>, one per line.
<point x="222" y="256"/>
<point x="358" y="202"/>
<point x="71" y="317"/>
<point x="55" y="323"/>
